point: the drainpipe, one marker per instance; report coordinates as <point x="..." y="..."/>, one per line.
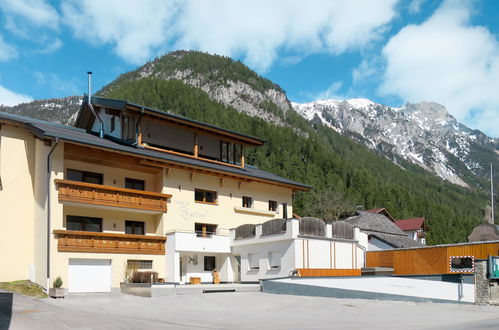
<point x="101" y="130"/>
<point x="364" y="250"/>
<point x="49" y="156"/>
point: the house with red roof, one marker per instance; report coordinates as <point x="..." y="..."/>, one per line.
<point x="414" y="228"/>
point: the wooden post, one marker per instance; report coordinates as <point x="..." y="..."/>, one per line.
<point x="195" y="145"/>
<point x="139" y="137"/>
<point x="242" y="156"/>
<point x="204" y="231"/>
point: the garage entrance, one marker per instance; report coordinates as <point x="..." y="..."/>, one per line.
<point x="89" y="275"/>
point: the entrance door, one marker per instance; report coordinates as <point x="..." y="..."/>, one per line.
<point x="89" y="275"/>
<point x="237" y="269"/>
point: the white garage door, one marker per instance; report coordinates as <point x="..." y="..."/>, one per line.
<point x="89" y="275"/>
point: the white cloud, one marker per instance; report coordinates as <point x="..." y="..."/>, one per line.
<point x="134" y="28"/>
<point x="415" y="6"/>
<point x="7" y="52"/>
<point x="10" y="98"/>
<point x="447" y="60"/>
<point x="255" y="30"/>
<point x="34" y="12"/>
<point x="258" y="29"/>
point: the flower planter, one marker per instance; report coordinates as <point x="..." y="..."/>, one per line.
<point x="57" y="292"/>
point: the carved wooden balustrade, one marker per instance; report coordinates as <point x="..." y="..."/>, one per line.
<point x="96" y="242"/>
<point x="89" y="193"/>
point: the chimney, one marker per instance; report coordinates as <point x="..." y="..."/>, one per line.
<point x="89" y="95"/>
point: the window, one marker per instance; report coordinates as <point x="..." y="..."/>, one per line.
<point x="83" y="223"/>
<point x="205" y="196"/>
<point x="209" y="263"/>
<point x="84" y="176"/>
<point x="273" y="206"/>
<point x="139" y="264"/>
<point x="230" y="152"/>
<point x="204" y="229"/>
<point x="134" y="227"/>
<point x="112" y="124"/>
<point x="135" y="184"/>
<point x="274" y="260"/>
<point x="247" y="201"/>
<point x="253" y="261"/>
<point x="462" y="264"/>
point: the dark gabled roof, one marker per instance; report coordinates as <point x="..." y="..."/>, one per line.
<point x="84" y="118"/>
<point x="396" y="241"/>
<point x="374" y="222"/>
<point x="381" y="227"/>
<point x="44" y="129"/>
<point x="410" y="224"/>
<point x="382" y="210"/>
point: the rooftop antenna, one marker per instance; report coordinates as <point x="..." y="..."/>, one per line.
<point x="492" y="193"/>
<point x="101" y="130"/>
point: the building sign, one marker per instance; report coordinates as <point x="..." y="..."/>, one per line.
<point x="462" y="264"/>
<point x="493" y="267"/>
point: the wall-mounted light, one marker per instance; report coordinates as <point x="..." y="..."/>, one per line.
<point x="179" y="188"/>
<point x="230" y="195"/>
<point x="114" y="225"/>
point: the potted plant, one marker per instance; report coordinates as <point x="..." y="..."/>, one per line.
<point x="57" y="291"/>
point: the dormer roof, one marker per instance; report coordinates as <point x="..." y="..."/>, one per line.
<point x="85" y="120"/>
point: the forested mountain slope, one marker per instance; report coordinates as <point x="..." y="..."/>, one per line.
<point x="222" y="92"/>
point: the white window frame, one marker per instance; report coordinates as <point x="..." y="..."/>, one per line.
<point x="274" y="258"/>
<point x="253" y="261"/>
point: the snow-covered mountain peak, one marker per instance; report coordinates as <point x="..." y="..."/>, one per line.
<point x="422" y="133"/>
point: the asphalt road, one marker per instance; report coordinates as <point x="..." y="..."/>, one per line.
<point x="236" y="311"/>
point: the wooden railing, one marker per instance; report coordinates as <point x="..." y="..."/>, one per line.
<point x="89" y="193"/>
<point x="92" y="242"/>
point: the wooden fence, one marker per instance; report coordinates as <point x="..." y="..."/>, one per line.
<point x="428" y="260"/>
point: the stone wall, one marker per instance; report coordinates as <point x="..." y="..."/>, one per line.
<point x="486" y="291"/>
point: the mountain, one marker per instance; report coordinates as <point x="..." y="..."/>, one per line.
<point x="223" y="92"/>
<point x="59" y="110"/>
<point x="424" y="134"/>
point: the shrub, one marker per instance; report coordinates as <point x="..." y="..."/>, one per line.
<point x="58" y="282"/>
<point x="144" y="277"/>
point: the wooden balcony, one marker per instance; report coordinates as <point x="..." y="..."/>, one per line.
<point x="89" y="193"/>
<point x="92" y="242"/>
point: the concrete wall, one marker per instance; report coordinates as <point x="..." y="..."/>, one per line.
<point x="377" y="287"/>
<point x="17" y="202"/>
<point x="296" y="252"/>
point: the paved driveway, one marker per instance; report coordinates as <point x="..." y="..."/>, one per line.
<point x="237" y="311"/>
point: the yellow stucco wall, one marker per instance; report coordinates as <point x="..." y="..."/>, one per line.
<point x="183" y="211"/>
<point x="17" y="149"/>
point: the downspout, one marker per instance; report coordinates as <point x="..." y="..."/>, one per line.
<point x="48" y="211"/>
<point x="101" y="130"/>
<point x="365" y="253"/>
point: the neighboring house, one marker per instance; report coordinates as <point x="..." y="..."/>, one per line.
<point x="381" y="231"/>
<point x="278" y="247"/>
<point x="156" y="192"/>
<point x="414" y="228"/>
<point x="383" y="211"/>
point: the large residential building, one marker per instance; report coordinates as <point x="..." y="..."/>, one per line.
<point x="128" y="187"/>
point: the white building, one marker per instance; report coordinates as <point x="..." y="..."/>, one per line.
<point x="279" y="247"/>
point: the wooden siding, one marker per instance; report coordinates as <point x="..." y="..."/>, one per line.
<point x="89" y="193"/>
<point x="430" y="260"/>
<point x="310" y="272"/>
<point x="92" y="242"/>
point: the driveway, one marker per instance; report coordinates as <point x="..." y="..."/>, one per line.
<point x="237" y="311"/>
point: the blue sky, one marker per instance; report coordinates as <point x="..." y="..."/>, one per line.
<point x="389" y="51"/>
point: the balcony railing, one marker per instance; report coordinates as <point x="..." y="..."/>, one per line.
<point x="93" y="242"/>
<point x="89" y="193"/>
